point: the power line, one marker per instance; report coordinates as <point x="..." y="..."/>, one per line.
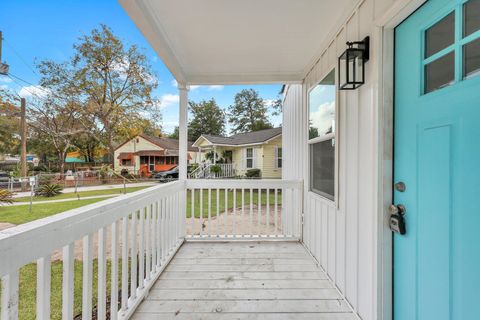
<point x="20" y="56"/>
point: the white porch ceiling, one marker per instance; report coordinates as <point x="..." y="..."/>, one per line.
<point x="238" y="41"/>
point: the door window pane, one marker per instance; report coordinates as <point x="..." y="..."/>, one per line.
<point x="322" y="168"/>
<point x="471" y="59"/>
<point x="322" y="107"/>
<point x="440" y="35"/>
<point x="471" y="17"/>
<point x="440" y="73"/>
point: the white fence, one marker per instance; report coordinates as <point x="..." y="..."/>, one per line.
<point x="133" y="237"/>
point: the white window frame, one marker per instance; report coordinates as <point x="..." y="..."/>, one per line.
<point x="247" y="158"/>
<point x="334" y="136"/>
<point x="278" y="158"/>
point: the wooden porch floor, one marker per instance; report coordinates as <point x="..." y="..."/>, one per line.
<point x="243" y="280"/>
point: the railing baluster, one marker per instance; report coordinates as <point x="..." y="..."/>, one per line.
<point x="259" y="215"/>
<point x="243" y="207"/>
<point x="201" y="211"/>
<point x="225" y="220"/>
<point x="251" y="212"/>
<point x="141" y="249"/>
<point x="67" y="281"/>
<point x="234" y="218"/>
<point x="268" y="212"/>
<point x="133" y="255"/>
<point x="102" y="275"/>
<point x="87" y="277"/>
<point x="10" y="284"/>
<point x="209" y="211"/>
<point x="164" y="229"/>
<point x="153" y="250"/>
<point x="157" y="235"/>
<point x="276" y="211"/>
<point x="147" y="244"/>
<point x="217" y="227"/>
<point x="114" y="274"/>
<point x="125" y="264"/>
<point x="192" y="204"/>
<point x="43" y="287"/>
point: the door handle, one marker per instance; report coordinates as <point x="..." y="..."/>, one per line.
<point x="397" y="220"/>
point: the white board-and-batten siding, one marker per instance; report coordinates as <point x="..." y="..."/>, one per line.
<point x="342" y="235"/>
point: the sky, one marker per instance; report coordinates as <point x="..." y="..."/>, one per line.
<point x="34" y="30"/>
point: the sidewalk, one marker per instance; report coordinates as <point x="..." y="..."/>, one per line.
<point x="92" y="188"/>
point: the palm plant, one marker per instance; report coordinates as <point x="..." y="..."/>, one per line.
<point x="49" y="190"/>
<point x="5" y="196"/>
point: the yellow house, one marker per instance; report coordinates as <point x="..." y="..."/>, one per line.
<point x="252" y="150"/>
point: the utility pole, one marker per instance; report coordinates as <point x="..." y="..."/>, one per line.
<point x="23" y="135"/>
<point x="3" y="66"/>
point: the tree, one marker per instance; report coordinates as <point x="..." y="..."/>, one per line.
<point x="175" y="134"/>
<point x="277" y="107"/>
<point x="112" y="83"/>
<point x="249" y="112"/>
<point x="9" y="123"/>
<point x="55" y="120"/>
<point x="207" y="118"/>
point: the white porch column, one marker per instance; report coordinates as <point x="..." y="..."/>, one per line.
<point x="182" y="132"/>
<point x="214" y="155"/>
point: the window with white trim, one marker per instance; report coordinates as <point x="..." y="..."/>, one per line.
<point x="322" y="102"/>
<point x="249" y="158"/>
<point x="278" y="157"/>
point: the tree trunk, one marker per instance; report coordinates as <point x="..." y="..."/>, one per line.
<point x="111" y="150"/>
<point x="61" y="160"/>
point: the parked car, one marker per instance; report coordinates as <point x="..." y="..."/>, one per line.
<point x="165" y="176"/>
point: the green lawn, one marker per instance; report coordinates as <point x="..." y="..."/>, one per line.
<point x="81" y="194"/>
<point x="21" y="214"/>
<point x="230" y="196"/>
<point x="27" y="293"/>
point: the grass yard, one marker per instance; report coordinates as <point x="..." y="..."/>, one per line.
<point x="27" y="293"/>
<point x="81" y="194"/>
<point x="229" y="202"/>
<point x="21" y="214"/>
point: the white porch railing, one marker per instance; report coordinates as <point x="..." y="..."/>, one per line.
<point x="134" y="236"/>
<point x="227" y="170"/>
<point x="244" y="209"/>
<point x="144" y="229"/>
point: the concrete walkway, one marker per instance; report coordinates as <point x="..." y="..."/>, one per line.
<point x="93" y="188"/>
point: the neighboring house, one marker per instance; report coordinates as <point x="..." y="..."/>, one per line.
<point x="252" y="150"/>
<point x="145" y="154"/>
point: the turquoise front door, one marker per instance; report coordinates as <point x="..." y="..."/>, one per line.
<point x="437" y="157"/>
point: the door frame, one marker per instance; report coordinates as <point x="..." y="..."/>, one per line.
<point x="384" y="31"/>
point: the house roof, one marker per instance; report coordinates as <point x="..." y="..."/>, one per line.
<point x="168" y="143"/>
<point x="244" y="138"/>
<point x="164" y="143"/>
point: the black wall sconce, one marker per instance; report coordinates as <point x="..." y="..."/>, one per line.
<point x="351" y="64"/>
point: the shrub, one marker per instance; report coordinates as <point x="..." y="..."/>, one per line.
<point x="215" y="169"/>
<point x="49" y="190"/>
<point x="43" y="179"/>
<point x="5" y="196"/>
<point x="253" y="173"/>
<point x="124" y="172"/>
<point x="192" y="167"/>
